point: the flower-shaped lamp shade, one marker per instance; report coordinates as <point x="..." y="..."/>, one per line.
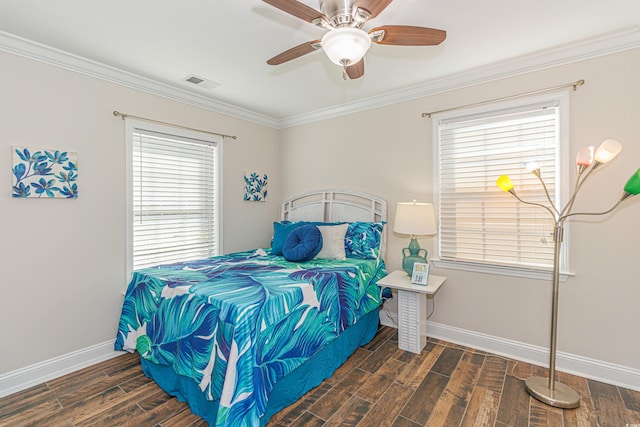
<point x="585" y="157"/>
<point x="504" y="182"/>
<point x="633" y="184"/>
<point x="608" y="150"/>
<point x="532" y="166"/>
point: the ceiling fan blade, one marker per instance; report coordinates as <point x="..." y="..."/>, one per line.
<point x="296" y="8"/>
<point x="374" y="7"/>
<point x="294" y="52"/>
<point x="356" y="70"/>
<point x="406" y="35"/>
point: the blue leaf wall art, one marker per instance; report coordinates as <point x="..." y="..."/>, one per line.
<point x="44" y="173"/>
<point x="255" y="187"/>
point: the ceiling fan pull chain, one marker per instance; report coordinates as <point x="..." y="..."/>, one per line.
<point x="345" y="76"/>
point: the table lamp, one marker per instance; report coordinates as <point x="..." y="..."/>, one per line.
<point x="414" y="219"/>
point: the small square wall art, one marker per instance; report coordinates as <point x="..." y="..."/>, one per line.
<point x="44" y="173"/>
<point x="255" y="187"/>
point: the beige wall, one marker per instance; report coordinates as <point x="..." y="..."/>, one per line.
<point x="63" y="261"/>
<point x="389" y="152"/>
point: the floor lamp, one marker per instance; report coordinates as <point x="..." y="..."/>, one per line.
<point x="548" y="390"/>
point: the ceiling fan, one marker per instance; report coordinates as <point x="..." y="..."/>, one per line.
<point x="346" y="42"/>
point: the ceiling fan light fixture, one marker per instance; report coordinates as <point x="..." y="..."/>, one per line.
<point x="345" y="45"/>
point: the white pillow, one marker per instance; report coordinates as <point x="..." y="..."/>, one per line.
<point x="332" y="242"/>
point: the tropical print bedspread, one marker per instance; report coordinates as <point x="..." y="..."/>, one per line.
<point x="237" y="323"/>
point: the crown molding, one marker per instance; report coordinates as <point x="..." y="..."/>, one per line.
<point x="575" y="52"/>
<point x="58" y="58"/>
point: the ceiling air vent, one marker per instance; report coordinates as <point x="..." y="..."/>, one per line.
<point x="195" y="80"/>
<point x="201" y="82"/>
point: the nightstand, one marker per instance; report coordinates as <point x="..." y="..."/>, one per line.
<point x="412" y="307"/>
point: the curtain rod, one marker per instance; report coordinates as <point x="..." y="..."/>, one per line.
<point x="549" y="89"/>
<point x="119" y="114"/>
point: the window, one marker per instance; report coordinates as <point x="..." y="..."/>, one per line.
<point x="481" y="227"/>
<point x="173" y="203"/>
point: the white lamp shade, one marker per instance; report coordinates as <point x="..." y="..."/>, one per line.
<point x="416" y="219"/>
<point x="608" y="150"/>
<point x="346" y="46"/>
<point x="532" y="166"/>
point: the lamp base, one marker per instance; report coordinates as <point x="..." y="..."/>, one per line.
<point x="408" y="261"/>
<point x="414" y="253"/>
<point x="561" y="396"/>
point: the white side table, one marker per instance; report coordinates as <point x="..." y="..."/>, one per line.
<point x="412" y="307"/>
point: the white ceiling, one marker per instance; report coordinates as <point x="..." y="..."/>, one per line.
<point x="228" y="42"/>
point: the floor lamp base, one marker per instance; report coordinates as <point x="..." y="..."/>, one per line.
<point x="561" y="396"/>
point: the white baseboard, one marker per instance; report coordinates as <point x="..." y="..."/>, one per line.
<point x="599" y="370"/>
<point x="23" y="378"/>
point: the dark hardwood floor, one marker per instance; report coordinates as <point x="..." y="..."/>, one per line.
<point x="446" y="385"/>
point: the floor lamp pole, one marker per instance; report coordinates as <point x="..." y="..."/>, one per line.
<point x="548" y="390"/>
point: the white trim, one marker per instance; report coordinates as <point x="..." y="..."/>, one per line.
<point x="38" y="373"/>
<point x="23" y="378"/>
<point x="599" y="370"/>
<point x="133" y="125"/>
<point x="580" y="51"/>
<point x="68" y="61"/>
<point x="502" y="270"/>
<point x="568" y="54"/>
<point x="561" y="98"/>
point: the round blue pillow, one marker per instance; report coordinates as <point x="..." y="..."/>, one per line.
<point x="302" y="244"/>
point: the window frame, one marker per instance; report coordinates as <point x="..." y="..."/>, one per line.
<point x="134" y="125"/>
<point x="562" y="165"/>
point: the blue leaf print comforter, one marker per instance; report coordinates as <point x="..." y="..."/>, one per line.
<point x="237" y="323"/>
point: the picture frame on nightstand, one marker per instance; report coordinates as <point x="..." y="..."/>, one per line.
<point x="420" y="274"/>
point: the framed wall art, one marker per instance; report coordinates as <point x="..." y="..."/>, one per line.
<point x="255" y="187"/>
<point x="40" y="173"/>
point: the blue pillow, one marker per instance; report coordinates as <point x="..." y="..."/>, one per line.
<point x="281" y="231"/>
<point x="302" y="244"/>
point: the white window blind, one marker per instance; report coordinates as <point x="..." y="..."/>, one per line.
<point x="173" y="198"/>
<point x="479" y="223"/>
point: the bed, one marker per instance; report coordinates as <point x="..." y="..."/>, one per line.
<point x="243" y="335"/>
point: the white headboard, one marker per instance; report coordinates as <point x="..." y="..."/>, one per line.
<point x="337" y="206"/>
<point x="334" y="206"/>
